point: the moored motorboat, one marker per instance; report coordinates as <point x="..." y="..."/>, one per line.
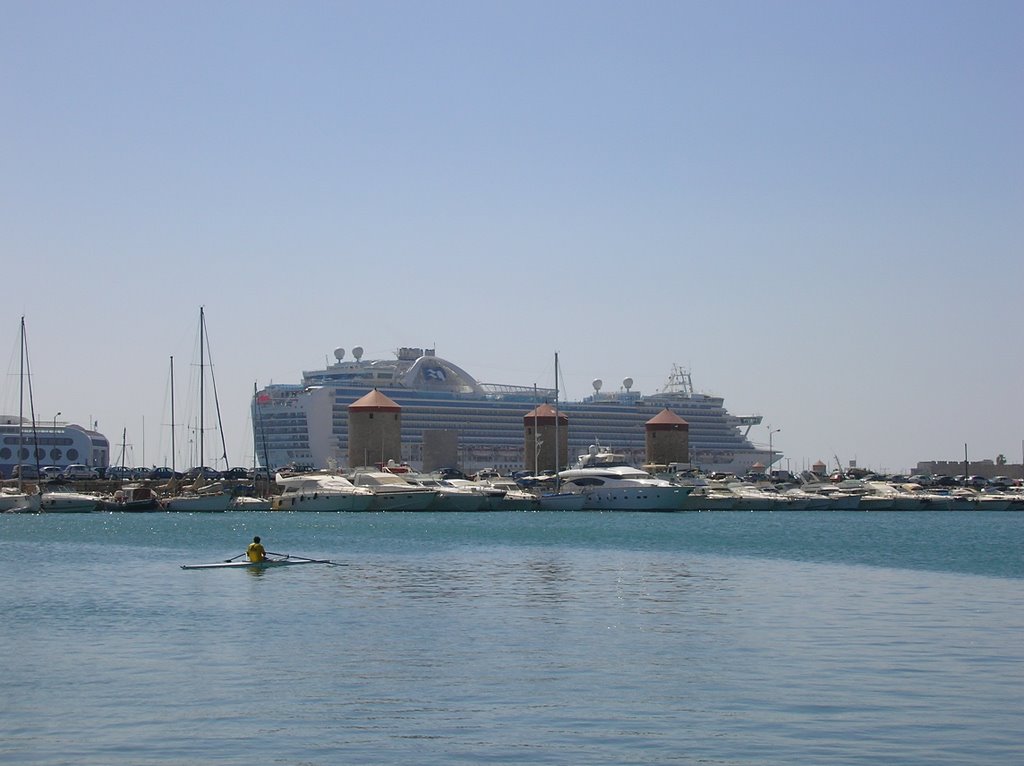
<point x="211" y="498"/>
<point x="749" y="497"/>
<point x="992" y="502"/>
<point x="708" y="497"/>
<point x="608" y="483"/>
<point x="450" y="497"/>
<point x="319" y="491"/>
<point x="134" y="497"/>
<point x="58" y="498"/>
<point x="515" y="498"/>
<point x="246" y="503"/>
<point x="393" y="493"/>
<point x="493" y="496"/>
<point x="807" y="501"/>
<point x="561" y="501"/>
<point x="876" y="502"/>
<point x="17" y="501"/>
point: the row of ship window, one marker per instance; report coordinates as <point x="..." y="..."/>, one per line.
<point x="340" y="411"/>
<point x="432" y="418"/>
<point x="477" y="436"/>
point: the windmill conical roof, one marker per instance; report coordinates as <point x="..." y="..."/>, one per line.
<point x="666" y="419"/>
<point x="545" y="413"/>
<point x="377" y="402"/>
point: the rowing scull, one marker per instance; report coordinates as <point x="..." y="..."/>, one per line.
<point x="255" y="564"/>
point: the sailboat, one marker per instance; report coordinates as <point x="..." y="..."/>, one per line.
<point x="201" y="497"/>
<point x="558" y="500"/>
<point x="20" y="501"/>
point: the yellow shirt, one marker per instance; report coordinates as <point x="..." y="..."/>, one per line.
<point x="255" y="552"/>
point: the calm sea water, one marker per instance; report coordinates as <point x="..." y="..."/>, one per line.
<point x="533" y="638"/>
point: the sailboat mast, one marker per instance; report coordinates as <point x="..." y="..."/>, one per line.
<point x="173" y="451"/>
<point x="255" y="449"/>
<point x="202" y="421"/>
<point x="536" y="435"/>
<point x="556" y="420"/>
<point x="21" y="401"/>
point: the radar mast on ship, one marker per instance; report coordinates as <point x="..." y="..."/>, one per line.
<point x="679" y="382"/>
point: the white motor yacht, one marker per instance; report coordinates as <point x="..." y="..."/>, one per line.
<point x="63" y="499"/>
<point x="808" y="501"/>
<point x="393" y="493"/>
<point x="450" y="496"/>
<point x="494" y="497"/>
<point x="750" y="497"/>
<point x="607" y="483"/>
<point x="710" y="497"/>
<point x="562" y="501"/>
<point x="501" y="492"/>
<point x="457" y="495"/>
<point x="320" y="492"/>
<point x="247" y="503"/>
<point x="199" y="498"/>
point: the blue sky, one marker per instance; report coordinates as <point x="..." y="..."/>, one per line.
<point x="816" y="207"/>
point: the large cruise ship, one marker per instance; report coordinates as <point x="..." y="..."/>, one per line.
<point x="307" y="423"/>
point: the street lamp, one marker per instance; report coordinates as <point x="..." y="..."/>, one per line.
<point x="53" y="438"/>
<point x="771" y="452"/>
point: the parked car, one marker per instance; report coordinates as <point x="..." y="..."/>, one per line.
<point x="50" y="472"/>
<point x="25" y="471"/>
<point x="204" y="472"/>
<point x="236" y="473"/>
<point x="163" y="473"/>
<point x="78" y="472"/>
<point x="119" y="472"/>
<point x="452" y="473"/>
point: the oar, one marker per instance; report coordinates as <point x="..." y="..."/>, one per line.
<point x="228" y="561"/>
<point x="304" y="558"/>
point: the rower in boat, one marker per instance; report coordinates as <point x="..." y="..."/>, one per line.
<point x="255" y="551"/>
<point x="270" y="559"/>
